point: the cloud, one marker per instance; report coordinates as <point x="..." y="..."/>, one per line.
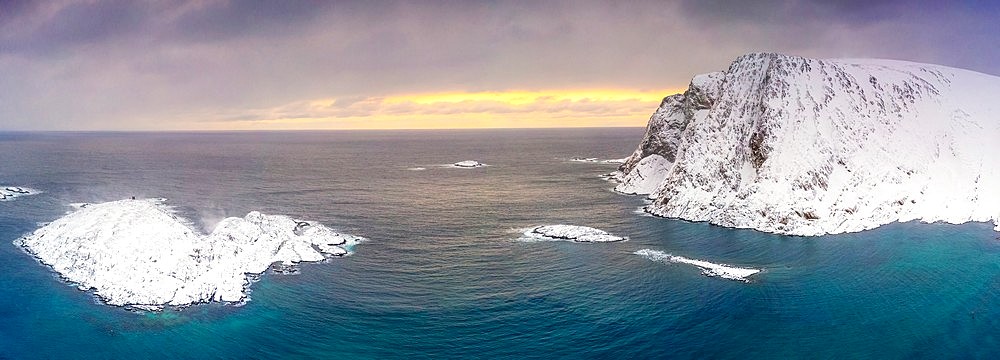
<point x="453" y="109"/>
<point x="115" y="64"/>
<point x="849" y="12"/>
<point x="222" y="20"/>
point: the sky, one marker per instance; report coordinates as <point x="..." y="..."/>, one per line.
<point x="126" y="65"/>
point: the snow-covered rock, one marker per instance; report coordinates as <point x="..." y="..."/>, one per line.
<point x="569" y="233"/>
<point x="11" y="192"/>
<point x="138" y="252"/>
<point x="707" y="268"/>
<point x="800" y="146"/>
<point x="468" y="164"/>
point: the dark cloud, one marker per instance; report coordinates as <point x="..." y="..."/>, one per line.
<point x="69" y="25"/>
<point x="785" y="12"/>
<point x="11" y="9"/>
<point x="233" y="19"/>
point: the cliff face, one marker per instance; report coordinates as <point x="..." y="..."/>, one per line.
<point x="643" y="172"/>
<point x="801" y="146"/>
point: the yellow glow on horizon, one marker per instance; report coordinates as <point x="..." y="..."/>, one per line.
<point x="420" y="122"/>
<point x="457" y="110"/>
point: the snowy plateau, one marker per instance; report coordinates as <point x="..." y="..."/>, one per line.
<point x="799" y="146"/>
<point x="139" y="253"/>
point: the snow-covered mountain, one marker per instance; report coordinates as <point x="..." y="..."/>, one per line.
<point x="799" y="146"/>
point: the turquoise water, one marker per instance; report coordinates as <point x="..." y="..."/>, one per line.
<point x="443" y="276"/>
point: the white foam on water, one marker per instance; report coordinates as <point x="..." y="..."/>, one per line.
<point x="641" y="211"/>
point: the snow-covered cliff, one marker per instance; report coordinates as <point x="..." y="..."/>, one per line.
<point x="138" y="252"/>
<point x="801" y="146"/>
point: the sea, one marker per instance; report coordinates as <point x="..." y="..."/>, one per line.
<point x="444" y="275"/>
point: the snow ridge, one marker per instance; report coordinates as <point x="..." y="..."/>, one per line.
<point x="139" y="253"/>
<point x="800" y="146"/>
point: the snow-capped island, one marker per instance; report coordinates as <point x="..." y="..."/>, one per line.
<point x="468" y="164"/>
<point x="800" y="146"/>
<point x="139" y="253"/>
<point x="11" y="192"/>
<point x="569" y="233"/>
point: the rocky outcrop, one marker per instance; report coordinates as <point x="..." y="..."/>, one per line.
<point x="11" y="192"/>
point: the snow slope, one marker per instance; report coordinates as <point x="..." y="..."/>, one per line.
<point x="801" y="146"/>
<point x="138" y="252"/>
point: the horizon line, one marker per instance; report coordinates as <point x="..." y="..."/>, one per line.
<point x="322" y="130"/>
